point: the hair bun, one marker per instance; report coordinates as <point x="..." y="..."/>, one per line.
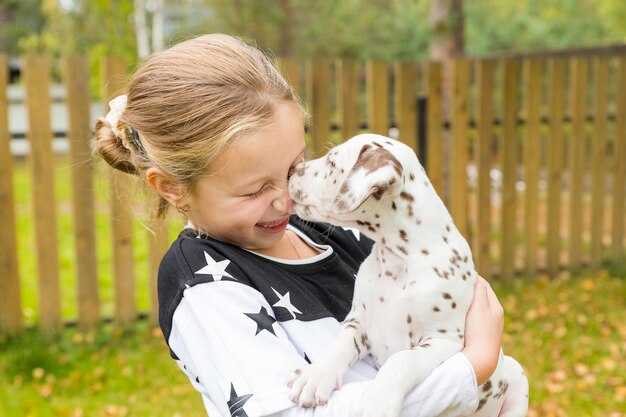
<point x="111" y="148"/>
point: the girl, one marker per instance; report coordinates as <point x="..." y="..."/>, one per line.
<point x="248" y="292"/>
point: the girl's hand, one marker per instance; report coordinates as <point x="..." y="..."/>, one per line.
<point x="483" y="331"/>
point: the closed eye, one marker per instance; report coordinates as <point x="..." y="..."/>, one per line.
<point x="255" y="194"/>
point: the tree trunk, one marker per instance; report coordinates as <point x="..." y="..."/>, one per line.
<point x="141" y="29"/>
<point x="158" y="17"/>
<point x="447" y="29"/>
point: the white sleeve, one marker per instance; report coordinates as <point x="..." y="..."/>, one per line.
<point x="450" y="390"/>
<point x="239" y="358"/>
<point x="233" y="350"/>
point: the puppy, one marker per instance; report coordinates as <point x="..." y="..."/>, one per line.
<point x="412" y="292"/>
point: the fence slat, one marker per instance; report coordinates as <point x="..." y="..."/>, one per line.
<point x="599" y="161"/>
<point x="377" y="85"/>
<point x="318" y="96"/>
<point x="405" y="106"/>
<point x="510" y="109"/>
<point x="458" y="203"/>
<point x="619" y="166"/>
<point x="556" y="103"/>
<point x="434" y="121"/>
<point x="121" y="219"/>
<point x="577" y="160"/>
<point x="484" y="127"/>
<point x="533" y="85"/>
<point x="159" y="244"/>
<point x="41" y="161"/>
<point x="10" y="302"/>
<point x="348" y="97"/>
<point x="289" y="69"/>
<point x="76" y="74"/>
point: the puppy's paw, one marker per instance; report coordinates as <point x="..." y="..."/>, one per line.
<point x="313" y="385"/>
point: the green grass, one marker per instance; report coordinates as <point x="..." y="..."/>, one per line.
<point x="568" y="333"/>
<point x="570" y="336"/>
<point x="110" y="371"/>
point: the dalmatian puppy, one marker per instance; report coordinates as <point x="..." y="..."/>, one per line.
<point x="412" y="292"/>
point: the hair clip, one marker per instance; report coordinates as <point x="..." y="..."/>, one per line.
<point x="134" y="136"/>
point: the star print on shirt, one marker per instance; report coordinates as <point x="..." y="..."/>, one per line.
<point x="216" y="269"/>
<point x="263" y="321"/>
<point x="354" y="231"/>
<point x="236" y="403"/>
<point x="285" y="302"/>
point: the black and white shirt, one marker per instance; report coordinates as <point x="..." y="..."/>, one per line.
<point x="238" y="323"/>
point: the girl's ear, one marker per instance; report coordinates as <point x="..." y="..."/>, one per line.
<point x="164" y="186"/>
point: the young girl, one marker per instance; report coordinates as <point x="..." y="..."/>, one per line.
<point x="249" y="292"/>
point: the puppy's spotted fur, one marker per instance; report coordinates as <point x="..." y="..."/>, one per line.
<point x="413" y="291"/>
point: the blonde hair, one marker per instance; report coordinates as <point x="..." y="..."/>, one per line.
<point x="187" y="103"/>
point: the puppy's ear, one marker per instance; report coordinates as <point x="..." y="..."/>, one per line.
<point x="375" y="173"/>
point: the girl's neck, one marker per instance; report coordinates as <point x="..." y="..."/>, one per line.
<point x="291" y="247"/>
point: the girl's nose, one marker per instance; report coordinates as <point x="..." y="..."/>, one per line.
<point x="283" y="202"/>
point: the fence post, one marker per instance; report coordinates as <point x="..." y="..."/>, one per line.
<point x="76" y="74"/>
<point x="318" y="97"/>
<point x="619" y="166"/>
<point x="484" y="140"/>
<point x="533" y="86"/>
<point x="434" y="133"/>
<point x="159" y="243"/>
<point x="377" y="82"/>
<point x="10" y="305"/>
<point x="289" y="69"/>
<point x="577" y="160"/>
<point x="508" y="162"/>
<point x="41" y="160"/>
<point x="348" y="96"/>
<point x="115" y="75"/>
<point x="460" y="74"/>
<point x="598" y="151"/>
<point x="556" y="103"/>
<point x="405" y="107"/>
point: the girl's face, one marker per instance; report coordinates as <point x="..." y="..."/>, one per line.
<point x="245" y="201"/>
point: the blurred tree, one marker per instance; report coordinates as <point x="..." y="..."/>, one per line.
<point x="447" y="34"/>
<point x="144" y="46"/>
<point x="19" y="19"/>
<point x="380" y="29"/>
<point x="494" y="26"/>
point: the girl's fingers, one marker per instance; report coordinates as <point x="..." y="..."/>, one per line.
<point x="492" y="298"/>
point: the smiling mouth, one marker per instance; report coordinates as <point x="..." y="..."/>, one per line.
<point x="273" y="226"/>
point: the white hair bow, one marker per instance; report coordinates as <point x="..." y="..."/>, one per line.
<point x="117" y="107"/>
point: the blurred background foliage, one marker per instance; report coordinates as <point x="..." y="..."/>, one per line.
<point x="363" y="29"/>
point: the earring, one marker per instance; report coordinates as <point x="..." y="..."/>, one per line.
<point x="182" y="210"/>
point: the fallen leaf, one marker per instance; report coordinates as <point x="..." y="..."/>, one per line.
<point x="587" y="284"/>
<point x="581" y="369"/>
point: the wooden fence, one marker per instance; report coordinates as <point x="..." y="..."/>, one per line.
<point x="529" y="154"/>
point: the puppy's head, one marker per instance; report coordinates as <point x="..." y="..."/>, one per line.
<point x="362" y="171"/>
